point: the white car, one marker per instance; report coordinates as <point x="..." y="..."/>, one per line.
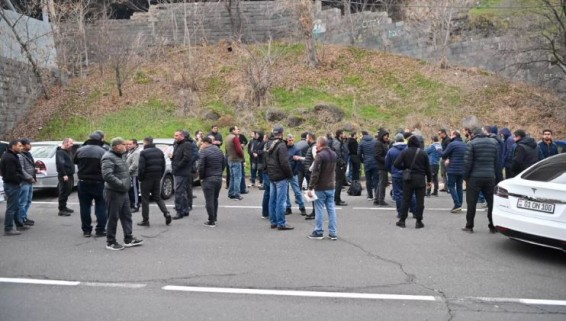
<point x="531" y="207"/>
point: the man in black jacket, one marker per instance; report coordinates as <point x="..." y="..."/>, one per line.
<point x="211" y="166"/>
<point x="381" y="149"/>
<point x="65" y="175"/>
<point x="12" y="175"/>
<point x="151" y="167"/>
<point x="340" y="147"/>
<point x="526" y="152"/>
<point x="480" y="167"/>
<point x="91" y="185"/>
<point x="181" y="163"/>
<point x="279" y="171"/>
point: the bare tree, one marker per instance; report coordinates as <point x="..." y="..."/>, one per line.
<point x="233" y="8"/>
<point x="303" y="10"/>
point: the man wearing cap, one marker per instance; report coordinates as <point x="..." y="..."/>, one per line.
<point x="279" y="172"/>
<point x="91" y="185"/>
<point x="116" y="186"/>
<point x="26" y="188"/>
<point x="235" y="155"/>
<point x="12" y="176"/>
<point x="65" y="174"/>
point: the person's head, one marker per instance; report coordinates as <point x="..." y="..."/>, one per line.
<point x="132" y="144"/>
<point x="214" y="129"/>
<point x="321" y="142"/>
<point x="290" y="140"/>
<point x="199" y="134"/>
<point x="353" y="135"/>
<point x="67" y="144"/>
<point x="547" y="135"/>
<point x="365" y="132"/>
<point x="148" y="141"/>
<point x="519" y="134"/>
<point x="277" y="132"/>
<point x="95" y="136"/>
<point x="406" y="135"/>
<point x="487" y="130"/>
<point x="399" y="138"/>
<point x="304" y="135"/>
<point x="15" y="146"/>
<point x="101" y="133"/>
<point x="413" y="141"/>
<point x="442" y="133"/>
<point x="339" y="134"/>
<point x="234" y="130"/>
<point x="384" y="135"/>
<point x="311" y="137"/>
<point x="118" y="145"/>
<point x="206" y="141"/>
<point x="26" y="144"/>
<point x="179" y="135"/>
<point x="434" y="139"/>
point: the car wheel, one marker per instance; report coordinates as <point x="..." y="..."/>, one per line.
<point x="167" y="187"/>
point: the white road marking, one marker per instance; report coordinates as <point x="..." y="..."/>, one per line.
<point x="39" y="281"/>
<point x="115" y="285"/>
<point x="342" y="295"/>
<point x="522" y="301"/>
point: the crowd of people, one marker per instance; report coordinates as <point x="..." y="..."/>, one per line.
<point x="112" y="175"/>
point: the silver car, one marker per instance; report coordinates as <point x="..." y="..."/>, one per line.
<point x="45" y="166"/>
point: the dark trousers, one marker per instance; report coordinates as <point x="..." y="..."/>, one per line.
<point x="434" y="170"/>
<point x="355" y="162"/>
<point x="475" y="185"/>
<point x="301" y="177"/>
<point x="118" y="208"/>
<point x="64" y="188"/>
<point x="151" y="190"/>
<point x="190" y="191"/>
<point x="253" y="171"/>
<point x="89" y="191"/>
<point x="12" y="206"/>
<point x="340" y="180"/>
<point x="417" y="186"/>
<point x="181" y="201"/>
<point x="371" y="181"/>
<point x="134" y="192"/>
<point x="243" y="180"/>
<point x="211" y="189"/>
<point x="266" y="191"/>
<point x="383" y="178"/>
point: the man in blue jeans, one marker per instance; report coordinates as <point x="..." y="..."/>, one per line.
<point x="12" y="176"/>
<point x="26" y="188"/>
<point x="235" y="155"/>
<point x="322" y="184"/>
<point x="453" y="157"/>
<point x="279" y="171"/>
<point x="296" y="164"/>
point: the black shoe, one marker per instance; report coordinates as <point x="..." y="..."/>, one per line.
<point x="178" y="217"/>
<point x="285" y="228"/>
<point x="419" y="224"/>
<point x="443" y="190"/>
<point x="309" y="217"/>
<point x="135" y="209"/>
<point x="341" y="203"/>
<point x="244" y="192"/>
<point x="100" y="234"/>
<point x="133" y="242"/>
<point x="22" y="228"/>
<point x="288" y="211"/>
<point x="143" y="223"/>
<point x="375" y="202"/>
<point x="315" y="236"/>
<point x="434" y="194"/>
<point x="209" y="224"/>
<point x="29" y="222"/>
<point x="68" y="210"/>
<point x="87" y="234"/>
<point x="273" y="226"/>
<point x="187" y="214"/>
<point x="63" y="213"/>
<point x="400" y="223"/>
<point x="303" y="211"/>
<point x="382" y="203"/>
<point x="114" y="246"/>
<point x="167" y="219"/>
<point x="468" y="229"/>
<point x="492" y="229"/>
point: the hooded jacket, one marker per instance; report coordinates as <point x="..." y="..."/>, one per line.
<point x="508" y="143"/>
<point x="366" y="151"/>
<point x="381" y="148"/>
<point x="277" y="160"/>
<point x="88" y="159"/>
<point x="526" y="154"/>
<point x="390" y="158"/>
<point x="434" y="152"/>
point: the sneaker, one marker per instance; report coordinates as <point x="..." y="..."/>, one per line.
<point x="419" y="224"/>
<point x="114" y="246"/>
<point x="12" y="233"/>
<point x="492" y="229"/>
<point x="370" y="198"/>
<point x="273" y="226"/>
<point x="133" y="242"/>
<point x="303" y="211"/>
<point x="87" y="234"/>
<point x="68" y="210"/>
<point x="100" y="234"/>
<point x="309" y="217"/>
<point x="143" y="223"/>
<point x="400" y="223"/>
<point x="63" y="213"/>
<point x="168" y="219"/>
<point x="315" y="236"/>
<point x="29" y="222"/>
<point x="285" y="228"/>
<point x="22" y="228"/>
<point x="456" y="210"/>
<point x="468" y="229"/>
<point x="209" y="224"/>
<point x="332" y="237"/>
<point x="483" y="205"/>
<point x="288" y="211"/>
<point x="264" y="217"/>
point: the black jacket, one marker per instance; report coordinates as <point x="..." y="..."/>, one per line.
<point x="526" y="154"/>
<point x="212" y="162"/>
<point x="151" y="163"/>
<point x="420" y="168"/>
<point x="277" y="160"/>
<point x="381" y="149"/>
<point x="64" y="163"/>
<point x="88" y="159"/>
<point x="481" y="158"/>
<point x="182" y="161"/>
<point x="10" y="168"/>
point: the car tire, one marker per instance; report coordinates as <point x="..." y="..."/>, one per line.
<point x="167" y="187"/>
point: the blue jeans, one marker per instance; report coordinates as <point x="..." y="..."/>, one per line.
<point x="12" y="192"/>
<point x="243" y="179"/>
<point x="87" y="192"/>
<point x="398" y="196"/>
<point x="325" y="199"/>
<point x="235" y="179"/>
<point x="266" y="192"/>
<point x="253" y="171"/>
<point x="294" y="183"/>
<point x="371" y="181"/>
<point x="26" y="194"/>
<point x="455" y="182"/>
<point x="181" y="195"/>
<point x="277" y="201"/>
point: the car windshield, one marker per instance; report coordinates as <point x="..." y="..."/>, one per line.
<point x="43" y="151"/>
<point x="552" y="170"/>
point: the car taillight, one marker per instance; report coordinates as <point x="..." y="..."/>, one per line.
<point x="501" y="192"/>
<point x="40" y="167"/>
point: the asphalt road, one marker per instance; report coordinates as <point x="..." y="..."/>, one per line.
<point x="243" y="270"/>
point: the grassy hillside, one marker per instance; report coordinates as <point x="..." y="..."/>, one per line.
<point x="184" y="87"/>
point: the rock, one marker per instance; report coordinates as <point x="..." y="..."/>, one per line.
<point x="274" y="115"/>
<point x="212" y="115"/>
<point x="328" y="113"/>
<point x="295" y="121"/>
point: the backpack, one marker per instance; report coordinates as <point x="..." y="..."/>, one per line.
<point x="355" y="189"/>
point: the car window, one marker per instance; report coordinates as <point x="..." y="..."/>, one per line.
<point x="552" y="170"/>
<point x="43" y="151"/>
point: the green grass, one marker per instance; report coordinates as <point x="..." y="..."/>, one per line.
<point x="308" y="97"/>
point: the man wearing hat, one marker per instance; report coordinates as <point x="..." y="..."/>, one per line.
<point x="91" y="185"/>
<point x="279" y="172"/>
<point x="116" y="186"/>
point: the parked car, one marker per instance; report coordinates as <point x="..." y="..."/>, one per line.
<point x="45" y="167"/>
<point x="531" y="207"/>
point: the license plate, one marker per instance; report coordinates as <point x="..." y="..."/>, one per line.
<point x="536" y="206"/>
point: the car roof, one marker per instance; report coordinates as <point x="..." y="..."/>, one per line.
<point x="169" y="141"/>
